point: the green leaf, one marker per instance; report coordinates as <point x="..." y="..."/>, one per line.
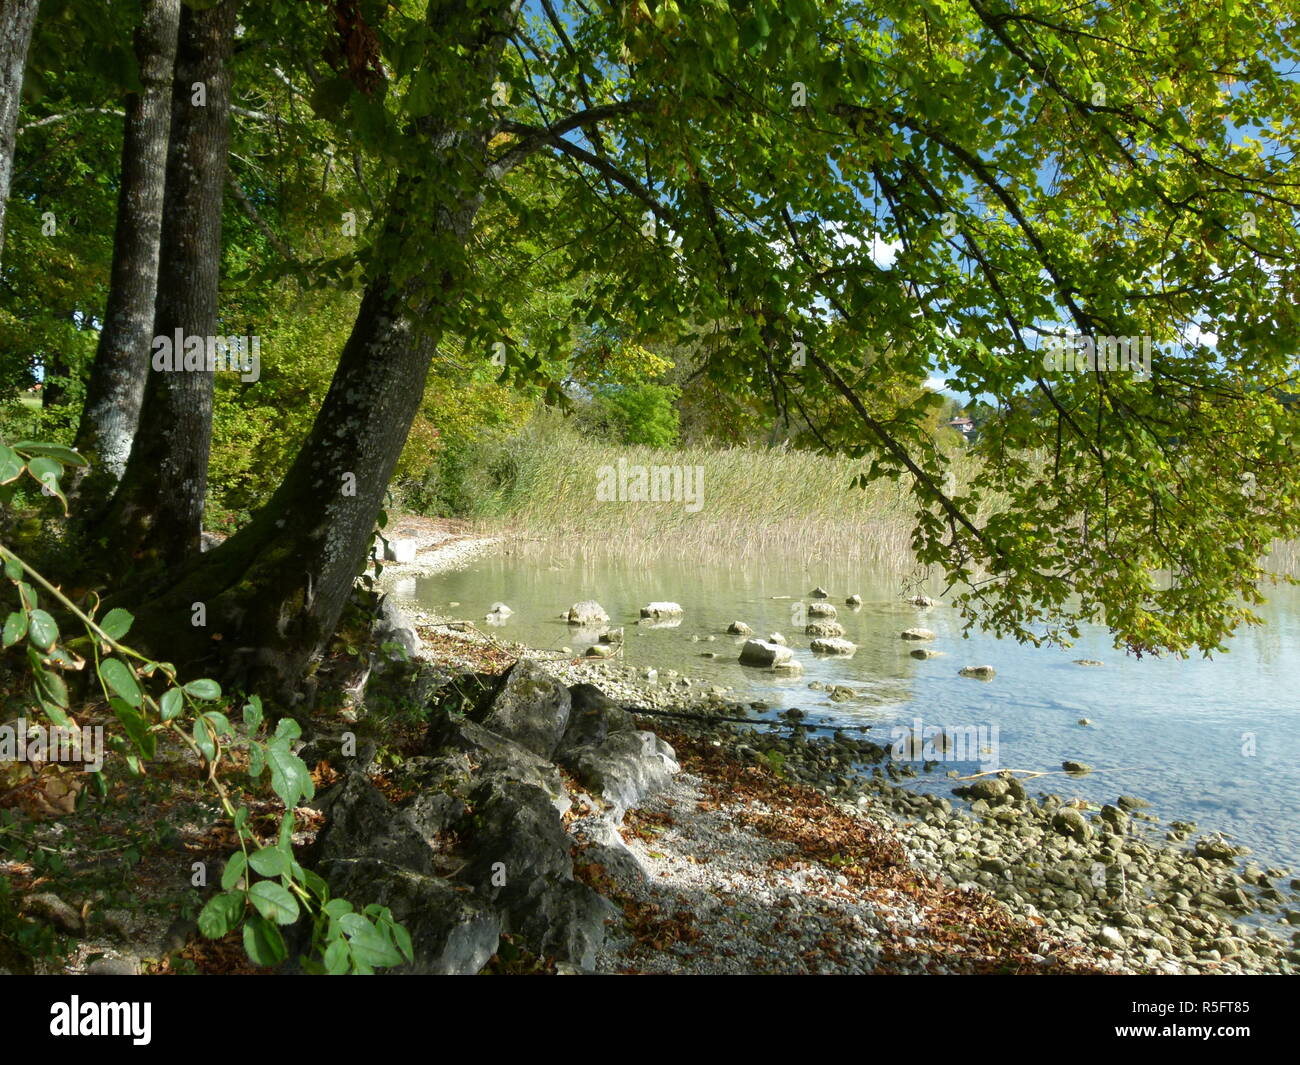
<point x="15" y="628"/>
<point x="42" y="630"/>
<point x="11" y="466"/>
<point x="137" y="728"/>
<point x="287" y="728"/>
<point x="172" y="703"/>
<point x="65" y="455"/>
<point x="13" y="569"/>
<point x="204" y="689"/>
<point x="274" y="902"/>
<point x="234" y="870"/>
<point x="290" y="778"/>
<point x="221" y="913"/>
<point x="253" y="713"/>
<point x="269" y="861"/>
<point x="117" y="623"/>
<point x="50" y="688"/>
<point x="336" y="908"/>
<point x="118" y="676"/>
<point x="203" y="738"/>
<point x="338" y="958"/>
<point x="263" y="943"/>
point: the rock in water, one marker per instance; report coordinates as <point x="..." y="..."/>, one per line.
<point x="823" y="628"/>
<point x="853" y="601"/>
<point x="662" y="610"/>
<point x="777" y="638"/>
<point x="1069" y="822"/>
<point x="819" y="593"/>
<point x="833" y="646"/>
<point x="978" y="672"/>
<point x="739" y="628"/>
<point x="588" y="612"/>
<point x="1077" y="768"/>
<point x="762" y="653"/>
<point x="821" y="610"/>
<point x="916" y="634"/>
<point x="923" y="601"/>
<point x="531" y="708"/>
<point x="925" y="652"/>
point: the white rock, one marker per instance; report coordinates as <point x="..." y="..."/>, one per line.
<point x="662" y="610"/>
<point x="399" y="551"/>
<point x="586" y="613"/>
<point x="833" y="645"/>
<point x="917" y="634"/>
<point x="762" y="653"/>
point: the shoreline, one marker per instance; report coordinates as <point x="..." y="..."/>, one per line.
<point x="1097" y="887"/>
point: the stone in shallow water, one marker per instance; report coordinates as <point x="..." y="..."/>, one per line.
<point x="926" y="652"/>
<point x="819" y="593"/>
<point x="978" y="672"/>
<point x="916" y="634"/>
<point x="739" y="628"/>
<point x="821" y="610"/>
<point x="833" y="646"/>
<point x="823" y="628"/>
<point x="762" y="653"/>
<point x="853" y="600"/>
<point x="662" y="610"/>
<point x="588" y="612"/>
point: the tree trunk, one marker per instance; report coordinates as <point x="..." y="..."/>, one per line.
<point x="157" y="513"/>
<point x="117" y="379"/>
<point x="16" y="20"/>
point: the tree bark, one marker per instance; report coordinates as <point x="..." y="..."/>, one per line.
<point x="16" y="20"/>
<point x="156" y="515"/>
<point x="115" y="391"/>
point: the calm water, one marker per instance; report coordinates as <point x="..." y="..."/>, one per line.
<point x="1177" y="733"/>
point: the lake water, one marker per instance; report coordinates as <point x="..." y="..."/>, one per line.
<point x="1215" y="741"/>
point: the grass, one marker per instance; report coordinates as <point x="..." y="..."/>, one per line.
<point x="541" y="486"/>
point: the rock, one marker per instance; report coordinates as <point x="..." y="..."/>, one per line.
<point x="1085" y="722"/>
<point x="1077" y="768"/>
<point x="531" y="708"/>
<point x="123" y="966"/>
<point x="48" y="907"/>
<point x="662" y="610"/>
<point x="624" y="770"/>
<point x="499" y="756"/>
<point x="519" y="858"/>
<point x="978" y="672"/>
<point x="819" y="593"/>
<point x="840" y="694"/>
<point x="1129" y="802"/>
<point x="588" y="612"/>
<point x="497" y="614"/>
<point x="1217" y="849"/>
<point x="821" y="610"/>
<point x="926" y="652"/>
<point x="1110" y="937"/>
<point x="592" y="717"/>
<point x="739" y="628"/>
<point x="1088" y="662"/>
<point x="600" y="841"/>
<point x="853" y="601"/>
<point x="762" y="653"/>
<point x="988" y="790"/>
<point x="833" y="646"/>
<point x="826" y="629"/>
<point x="923" y="601"/>
<point x="1069" y="822"/>
<point x="916" y="634"/>
<point x="777" y="638"/>
<point x="400" y="550"/>
<point x="601" y="650"/>
<point x="614" y="636"/>
<point x="393" y="626"/>
<point x="361" y="823"/>
<point x="453" y="933"/>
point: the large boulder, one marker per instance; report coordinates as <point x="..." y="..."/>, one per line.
<point x="593" y="716"/>
<point x="588" y="612"/>
<point x="495" y="755"/>
<point x="825" y="629"/>
<point x="821" y="610"/>
<point x="531" y="708"/>
<point x="624" y="770"/>
<point x="519" y="859"/>
<point x="361" y="823"/>
<point x="762" y="653"/>
<point x="662" y="610"/>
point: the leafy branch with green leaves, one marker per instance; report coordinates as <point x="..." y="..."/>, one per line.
<point x="263" y="887"/>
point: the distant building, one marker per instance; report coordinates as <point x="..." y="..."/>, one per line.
<point x="963" y="425"/>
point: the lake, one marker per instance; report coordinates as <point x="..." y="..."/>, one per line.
<point x="1213" y="741"/>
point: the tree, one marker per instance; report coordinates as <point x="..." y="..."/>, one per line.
<point x="17" y="17"/>
<point x="945" y="188"/>
<point x="116" y="388"/>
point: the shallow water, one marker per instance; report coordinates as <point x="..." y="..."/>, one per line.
<point x="1211" y="741"/>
